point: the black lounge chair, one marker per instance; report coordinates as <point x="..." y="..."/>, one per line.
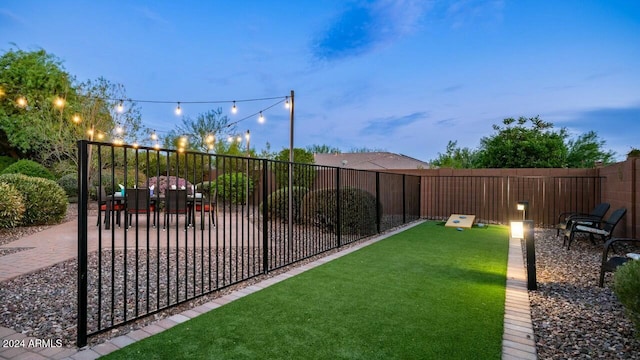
<point x="567" y="218"/>
<point x="610" y="264"/>
<point x="603" y="229"/>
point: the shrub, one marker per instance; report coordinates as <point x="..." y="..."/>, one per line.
<point x="118" y="179"/>
<point x="357" y="210"/>
<point x="205" y="187"/>
<point x="626" y="286"/>
<point x="11" y="206"/>
<point x="45" y="201"/>
<point x="5" y="161"/>
<point x="278" y="203"/>
<point x="69" y="183"/>
<point x="29" y="168"/>
<point x="304" y="173"/>
<point x="233" y="187"/>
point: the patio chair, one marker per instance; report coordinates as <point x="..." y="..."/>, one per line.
<point x="103" y="202"/>
<point x="175" y="204"/>
<point x="566" y="218"/>
<point x="138" y="202"/>
<point x="603" y="229"/>
<point x="208" y="205"/>
<point x="610" y="264"/>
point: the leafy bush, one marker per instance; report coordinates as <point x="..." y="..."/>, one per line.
<point x="29" y="168"/>
<point x="626" y="286"/>
<point x="233" y="187"/>
<point x="11" y="206"/>
<point x="69" y="183"/>
<point x="45" y="201"/>
<point x="357" y="210"/>
<point x="5" y="161"/>
<point x="278" y="203"/>
<point x="118" y="179"/>
<point x="304" y="173"/>
<point x="205" y="187"/>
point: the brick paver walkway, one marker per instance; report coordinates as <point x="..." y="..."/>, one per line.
<point x="59" y="243"/>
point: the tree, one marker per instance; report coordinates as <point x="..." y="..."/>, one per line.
<point x="586" y="150"/>
<point x="322" y="149"/>
<point x="520" y="146"/>
<point x="302" y="175"/>
<point x="366" y="150"/>
<point x="455" y="157"/>
<point x="208" y="131"/>
<point x="31" y="83"/>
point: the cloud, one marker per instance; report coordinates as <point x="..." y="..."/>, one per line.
<point x="4" y="13"/>
<point x="364" y="26"/>
<point x="388" y="125"/>
<point x="619" y="127"/>
<point x="467" y="12"/>
<point x="452" y="88"/>
<point x="152" y="16"/>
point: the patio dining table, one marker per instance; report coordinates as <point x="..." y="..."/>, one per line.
<point x="119" y="198"/>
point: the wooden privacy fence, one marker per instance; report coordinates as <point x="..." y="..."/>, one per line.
<point x="493" y="198"/>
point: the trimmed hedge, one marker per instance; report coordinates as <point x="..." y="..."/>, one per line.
<point x="45" y="201"/>
<point x="69" y="183"/>
<point x="626" y="286"/>
<point x="11" y="206"/>
<point x="278" y="203"/>
<point x="5" y="161"/>
<point x="29" y="168"/>
<point x="357" y="210"/>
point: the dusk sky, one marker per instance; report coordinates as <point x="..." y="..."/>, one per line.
<point x="404" y="76"/>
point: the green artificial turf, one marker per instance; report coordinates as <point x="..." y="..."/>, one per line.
<point x="427" y="293"/>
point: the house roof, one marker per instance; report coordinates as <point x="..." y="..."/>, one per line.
<point x="370" y="161"/>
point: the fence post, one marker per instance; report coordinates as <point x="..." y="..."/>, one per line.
<point x="338" y="223"/>
<point x="404" y="199"/>
<point x="265" y="218"/>
<point x="83" y="192"/>
<point x="378" y="215"/>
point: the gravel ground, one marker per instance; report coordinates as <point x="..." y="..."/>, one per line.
<point x="573" y="318"/>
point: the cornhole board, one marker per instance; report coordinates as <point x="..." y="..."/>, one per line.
<point x="460" y="221"/>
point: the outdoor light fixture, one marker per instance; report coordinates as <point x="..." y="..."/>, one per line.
<point x="76" y="119"/>
<point x="523" y="230"/>
<point x="261" y="118"/>
<point x="120" y="107"/>
<point x="286" y="102"/>
<point x="178" y="109"/>
<point x="234" y="108"/>
<point x="523" y="206"/>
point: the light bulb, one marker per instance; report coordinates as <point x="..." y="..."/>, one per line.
<point x="59" y="102"/>
<point x="247" y="135"/>
<point x="230" y="139"/>
<point x="154" y="136"/>
<point x="21" y="101"/>
<point x="90" y="132"/>
<point x="234" y="108"/>
<point x="100" y="136"/>
<point x="286" y="102"/>
<point x="120" y="107"/>
<point x="119" y="129"/>
<point x="239" y="138"/>
<point x="210" y="139"/>
<point x="135" y="144"/>
<point x="76" y="119"/>
<point x="156" y="146"/>
<point x="178" y="109"/>
<point x="261" y="118"/>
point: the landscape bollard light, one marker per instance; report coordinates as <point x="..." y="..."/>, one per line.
<point x="524" y="230"/>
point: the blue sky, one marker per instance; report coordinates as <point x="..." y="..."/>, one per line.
<point x="405" y="76"/>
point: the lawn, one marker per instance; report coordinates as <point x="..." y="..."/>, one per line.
<point x="427" y="293"/>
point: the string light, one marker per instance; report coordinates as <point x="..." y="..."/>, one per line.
<point x="286" y="102"/>
<point x="119" y="129"/>
<point x="120" y="107"/>
<point x="234" y="108"/>
<point x="261" y="118"/>
<point x="178" y="109"/>
<point x="21" y="101"/>
<point x="154" y="136"/>
<point x="59" y="102"/>
<point x="2" y="93"/>
<point x="76" y="119"/>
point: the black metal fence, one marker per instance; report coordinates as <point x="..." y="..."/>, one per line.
<point x="139" y="254"/>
